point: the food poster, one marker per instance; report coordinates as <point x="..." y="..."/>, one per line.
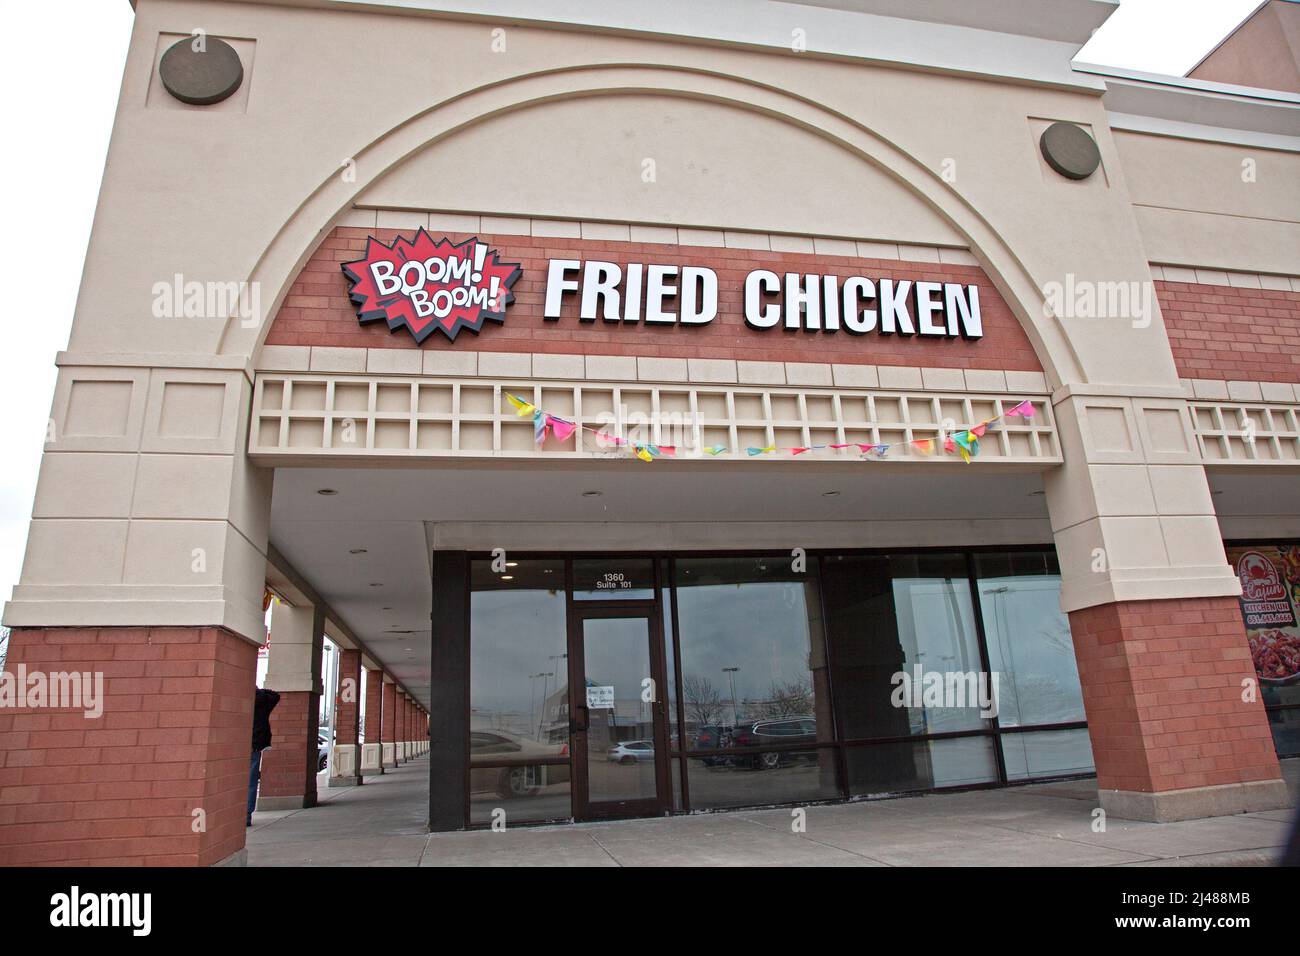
<point x="1270" y="608"/>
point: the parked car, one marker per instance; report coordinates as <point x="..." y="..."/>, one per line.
<point x="630" y="751"/>
<point x="518" y="778"/>
<point x="781" y="730"/>
<point x="322" y="753"/>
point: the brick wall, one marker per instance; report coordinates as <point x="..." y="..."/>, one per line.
<point x="390" y="713"/>
<point x="1223" y="332"/>
<point x="317" y="310"/>
<point x="374" y="706"/>
<point x="121" y="789"/>
<point x="1162" y="687"/>
<point x="289" y="766"/>
<point x="348" y="712"/>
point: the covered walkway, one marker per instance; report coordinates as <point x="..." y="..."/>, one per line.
<point x="383" y="824"/>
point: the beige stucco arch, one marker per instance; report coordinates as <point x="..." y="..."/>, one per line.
<point x="279" y="263"/>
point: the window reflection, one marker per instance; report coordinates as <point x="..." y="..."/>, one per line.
<point x="1029" y="639"/>
<point x="754" y="680"/>
<point x="920" y="765"/>
<point x="753" y="662"/>
<point x="896" y="617"/>
<point x="1047" y="753"/>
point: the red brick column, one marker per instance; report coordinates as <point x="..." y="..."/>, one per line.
<point x="390" y="721"/>
<point x="347" y="719"/>
<point x="1172" y="737"/>
<point x="375" y="711"/>
<point x="167" y="755"/>
<point x="289" y="766"/>
<point x="403" y="725"/>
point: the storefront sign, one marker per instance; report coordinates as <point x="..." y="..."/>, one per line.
<point x="1264" y="598"/>
<point x="688" y="295"/>
<point x="426" y="285"/>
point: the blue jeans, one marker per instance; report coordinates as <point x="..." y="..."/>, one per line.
<point x="254" y="774"/>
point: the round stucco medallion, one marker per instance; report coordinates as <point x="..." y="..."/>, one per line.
<point x="201" y="78"/>
<point x="1069" y="150"/>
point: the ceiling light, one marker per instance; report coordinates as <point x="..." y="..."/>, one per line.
<point x="326" y="491"/>
<point x="507" y="577"/>
<point x="375" y="584"/>
<point x="1034" y="494"/>
<point x="592" y="494"/>
<point x="356" y="551"/>
<point x="830" y="494"/>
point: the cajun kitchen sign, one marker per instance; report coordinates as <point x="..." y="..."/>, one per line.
<point x="432" y="286"/>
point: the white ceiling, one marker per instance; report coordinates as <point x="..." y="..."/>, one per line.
<point x="385" y="511"/>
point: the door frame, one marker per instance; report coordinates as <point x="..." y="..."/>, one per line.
<point x="661" y="804"/>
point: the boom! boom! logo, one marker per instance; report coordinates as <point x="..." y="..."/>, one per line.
<point x="426" y="285"/>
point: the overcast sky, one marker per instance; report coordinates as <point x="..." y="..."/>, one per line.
<point x="59" y="113"/>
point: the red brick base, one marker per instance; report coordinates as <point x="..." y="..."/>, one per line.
<point x="160" y="778"/>
<point x="289" y="766"/>
<point x="1162" y="687"/>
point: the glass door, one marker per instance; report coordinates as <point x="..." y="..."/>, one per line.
<point x="617" y="723"/>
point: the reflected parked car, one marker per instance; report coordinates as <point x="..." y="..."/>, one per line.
<point x="520" y="778"/>
<point x="630" y="751"/>
<point x="780" y="730"/>
<point x="710" y="737"/>
<point x="322" y="753"/>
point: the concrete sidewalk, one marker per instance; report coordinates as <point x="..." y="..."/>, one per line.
<point x="383" y="824"/>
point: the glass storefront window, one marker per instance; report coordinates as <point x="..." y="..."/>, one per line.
<point x="754" y="679"/>
<point x="1028" y="636"/>
<point x="747" y="781"/>
<point x="908" y="765"/>
<point x="1047" y="753"/>
<point x="773" y="706"/>
<point x="894" y="620"/>
<point x="518" y="672"/>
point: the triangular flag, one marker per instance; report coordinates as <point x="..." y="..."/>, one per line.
<point x="978" y="430"/>
<point x="525" y="408"/>
<point x="644" y="453"/>
<point x="881" y="450"/>
<point x="760" y="451"/>
<point x="949" y="445"/>
<point x="715" y="450"/>
<point x="669" y="451"/>
<point x="799" y="451"/>
<point x="560" y="427"/>
<point x="924" y="445"/>
<point x="965" y="455"/>
<point x="541" y="422"/>
<point x="1025" y="409"/>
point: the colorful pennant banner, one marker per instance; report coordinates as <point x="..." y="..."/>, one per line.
<point x="964" y="443"/>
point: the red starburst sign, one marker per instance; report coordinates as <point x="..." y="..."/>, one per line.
<point x="426" y="285"/>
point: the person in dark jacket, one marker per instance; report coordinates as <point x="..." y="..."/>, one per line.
<point x="262" y="707"/>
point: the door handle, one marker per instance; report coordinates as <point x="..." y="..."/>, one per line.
<point x="580" y="719"/>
